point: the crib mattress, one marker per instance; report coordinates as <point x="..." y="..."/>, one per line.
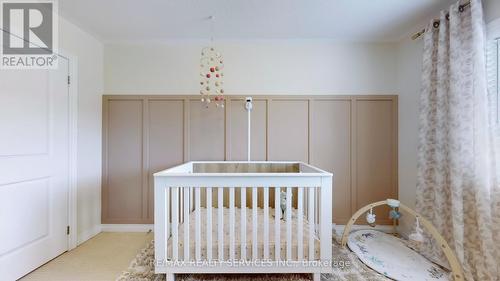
<point x="249" y="231"/>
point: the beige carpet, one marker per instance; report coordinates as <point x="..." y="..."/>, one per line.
<point x="352" y="269"/>
<point x="108" y="256"/>
<point x="101" y="258"/>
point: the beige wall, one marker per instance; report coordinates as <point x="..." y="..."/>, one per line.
<point x="410" y="54"/>
<point x="254" y="66"/>
<point x="355" y="137"/>
<point x="89" y="79"/>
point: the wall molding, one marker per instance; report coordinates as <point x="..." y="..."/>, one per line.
<point x="378" y="111"/>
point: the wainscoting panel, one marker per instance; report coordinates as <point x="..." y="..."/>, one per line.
<point x="331" y="149"/>
<point x="123" y="183"/>
<point x="376" y="148"/>
<point x="355" y="137"/>
<point x="237" y="130"/>
<point x="288" y="130"/>
<point x="206" y="132"/>
<point x="165" y="138"/>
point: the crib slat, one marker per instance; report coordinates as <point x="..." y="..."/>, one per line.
<point x="167" y="219"/>
<point x="277" y="215"/>
<point x="311" y="221"/>
<point x="289" y="223"/>
<point x="243" y="222"/>
<point x="181" y="205"/>
<point x="220" y="222"/>
<point x="209" y="223"/>
<point x="254" y="223"/>
<point x="186" y="193"/>
<point x="231" y="223"/>
<point x="300" y="224"/>
<point x="191" y="200"/>
<point x="198" y="223"/>
<point x="316" y="205"/>
<point x="266" y="223"/>
<point x="175" y="223"/>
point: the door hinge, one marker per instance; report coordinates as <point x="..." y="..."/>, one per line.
<point x="67" y="230"/>
<point x="69" y="79"/>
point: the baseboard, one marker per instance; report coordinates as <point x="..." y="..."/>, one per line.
<point x="127" y="227"/>
<point x="89" y="233"/>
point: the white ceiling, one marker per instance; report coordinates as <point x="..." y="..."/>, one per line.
<point x="343" y="20"/>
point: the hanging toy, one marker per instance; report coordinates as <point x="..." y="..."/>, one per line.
<point x="417" y="236"/>
<point x="394" y="213"/>
<point x="283" y="204"/>
<point x="211" y="66"/>
<point x="370" y="218"/>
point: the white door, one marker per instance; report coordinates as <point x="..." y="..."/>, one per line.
<point x="33" y="168"/>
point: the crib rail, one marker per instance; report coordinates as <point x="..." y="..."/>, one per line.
<point x="242" y="217"/>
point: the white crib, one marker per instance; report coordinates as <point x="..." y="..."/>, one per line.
<point x="219" y="217"/>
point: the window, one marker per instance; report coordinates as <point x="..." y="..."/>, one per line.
<point x="493" y="65"/>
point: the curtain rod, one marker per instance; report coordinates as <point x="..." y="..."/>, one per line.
<point x="436" y="22"/>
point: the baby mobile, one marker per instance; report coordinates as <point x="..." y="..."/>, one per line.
<point x="394" y="213"/>
<point x="211" y="66"/>
<point x="416" y="237"/>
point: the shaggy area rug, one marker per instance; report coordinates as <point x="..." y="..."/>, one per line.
<point x="347" y="267"/>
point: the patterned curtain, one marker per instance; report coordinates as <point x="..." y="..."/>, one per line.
<point x="458" y="186"/>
